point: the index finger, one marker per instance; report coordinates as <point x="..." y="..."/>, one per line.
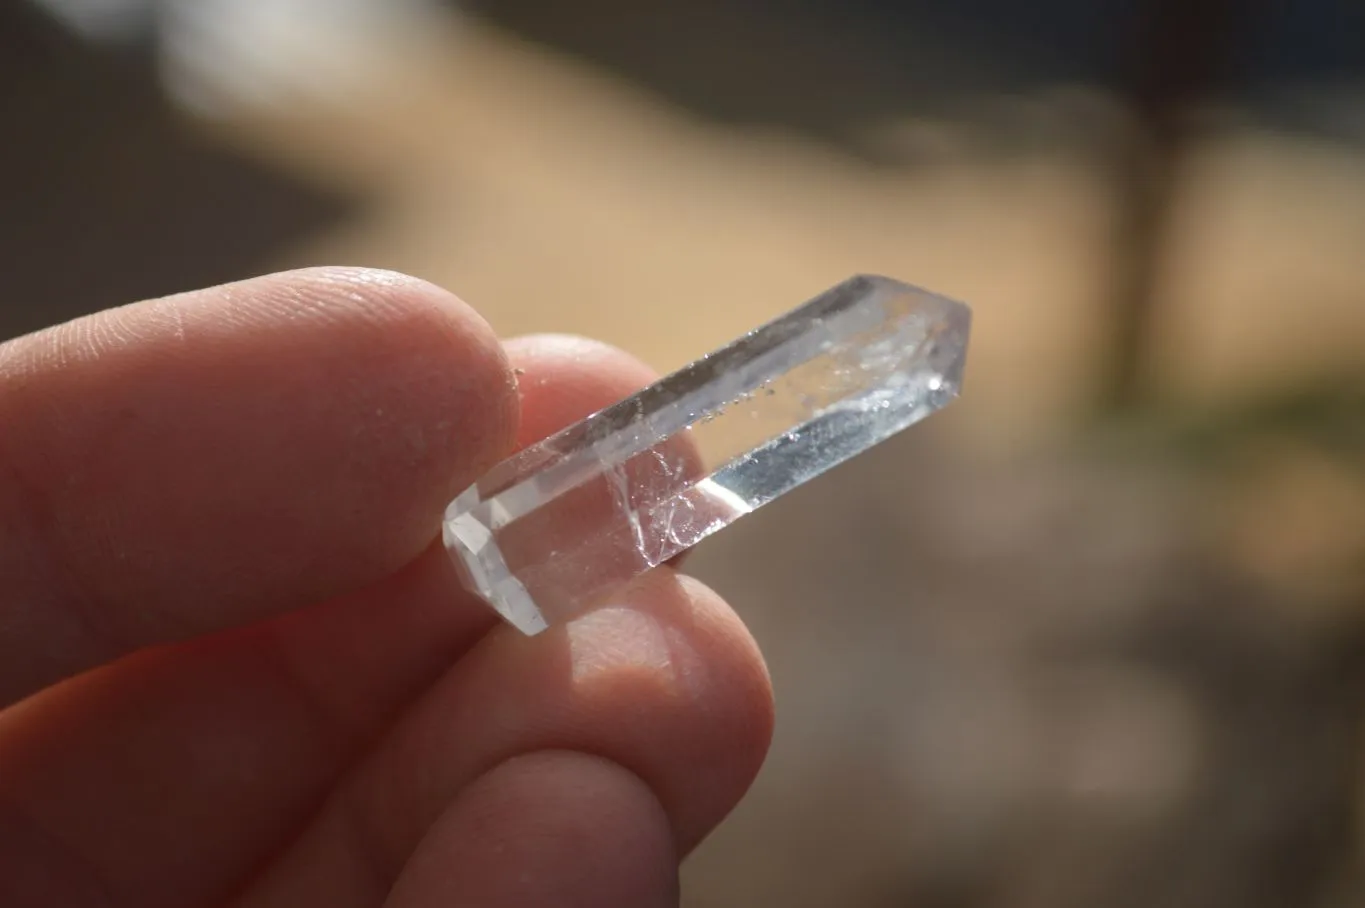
<point x="206" y="460"/>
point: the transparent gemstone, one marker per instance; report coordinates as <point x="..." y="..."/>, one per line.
<point x="559" y="526"/>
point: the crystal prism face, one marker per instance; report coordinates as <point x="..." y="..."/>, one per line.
<point x="559" y="526"/>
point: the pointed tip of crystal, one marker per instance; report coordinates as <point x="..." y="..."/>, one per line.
<point x="957" y="330"/>
<point x="950" y="328"/>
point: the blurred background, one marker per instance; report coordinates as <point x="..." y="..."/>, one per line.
<point x="1094" y="636"/>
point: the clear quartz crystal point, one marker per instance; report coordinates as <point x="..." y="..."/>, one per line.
<point x="559" y="526"/>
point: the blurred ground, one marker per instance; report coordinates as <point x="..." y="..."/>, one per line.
<point x="1022" y="659"/>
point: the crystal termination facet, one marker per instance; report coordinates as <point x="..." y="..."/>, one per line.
<point x="560" y="525"/>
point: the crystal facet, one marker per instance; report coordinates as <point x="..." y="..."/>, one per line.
<point x="562" y="524"/>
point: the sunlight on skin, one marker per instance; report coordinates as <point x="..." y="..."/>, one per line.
<point x="614" y="639"/>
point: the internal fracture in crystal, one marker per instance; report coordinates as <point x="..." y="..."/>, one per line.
<point x="558" y="527"/>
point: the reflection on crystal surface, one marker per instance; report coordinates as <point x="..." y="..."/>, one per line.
<point x="560" y="525"/>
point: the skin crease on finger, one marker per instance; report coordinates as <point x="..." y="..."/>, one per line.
<point x="357" y="670"/>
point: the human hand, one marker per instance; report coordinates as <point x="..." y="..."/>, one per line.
<point x="237" y="669"/>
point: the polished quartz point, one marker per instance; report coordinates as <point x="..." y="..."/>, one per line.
<point x="561" y="525"/>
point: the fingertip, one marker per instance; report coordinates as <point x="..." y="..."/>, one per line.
<point x="271" y="442"/>
<point x="394" y="381"/>
<point x="663" y="678"/>
<point x="562" y="378"/>
<point x="671" y="640"/>
<point x="576" y="350"/>
<point x="553" y="828"/>
<point x="750" y="682"/>
<point x="416" y="379"/>
<point x="448" y="344"/>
